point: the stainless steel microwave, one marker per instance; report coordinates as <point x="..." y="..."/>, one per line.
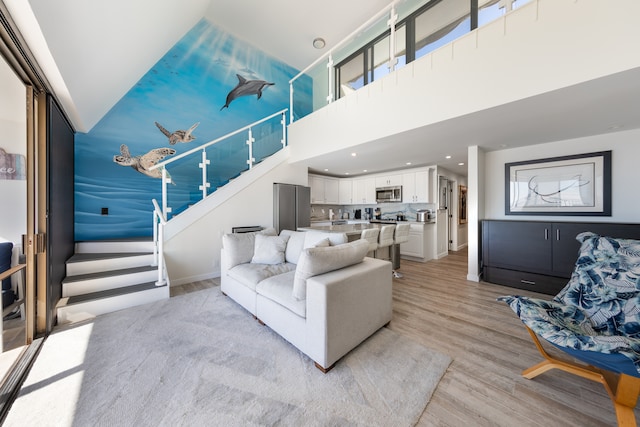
<point x="389" y="194"/>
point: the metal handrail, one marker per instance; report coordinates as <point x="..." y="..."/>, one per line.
<point x="210" y="143"/>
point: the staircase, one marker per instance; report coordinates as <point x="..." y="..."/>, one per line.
<point x="106" y="276"/>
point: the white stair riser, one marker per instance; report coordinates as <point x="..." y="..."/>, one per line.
<point x="103" y="283"/>
<point x="113" y="247"/>
<point x="93" y="308"/>
<point x="108" y="264"/>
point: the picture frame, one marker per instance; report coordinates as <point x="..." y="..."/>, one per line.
<point x="462" y="204"/>
<point x="578" y="185"/>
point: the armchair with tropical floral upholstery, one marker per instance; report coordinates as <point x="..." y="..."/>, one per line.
<point x="594" y="319"/>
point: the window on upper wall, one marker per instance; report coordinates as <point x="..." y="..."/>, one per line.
<point x="350" y="75"/>
<point x="401" y="46"/>
<point x="488" y="10"/>
<point x="438" y="25"/>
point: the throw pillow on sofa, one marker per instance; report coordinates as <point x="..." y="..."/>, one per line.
<point x="269" y="249"/>
<point x="239" y="247"/>
<point x="319" y="260"/>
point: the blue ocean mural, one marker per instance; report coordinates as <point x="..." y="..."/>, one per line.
<point x="207" y="85"/>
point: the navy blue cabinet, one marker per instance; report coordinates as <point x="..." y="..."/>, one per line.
<point x="538" y="256"/>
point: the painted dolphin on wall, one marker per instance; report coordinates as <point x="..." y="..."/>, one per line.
<point x="246" y="87"/>
<point x="144" y="162"/>
<point x="179" y="135"/>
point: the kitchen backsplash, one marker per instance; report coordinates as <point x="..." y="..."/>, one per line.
<point x="388" y="210"/>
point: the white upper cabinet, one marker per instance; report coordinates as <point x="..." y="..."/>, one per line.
<point x="324" y="190"/>
<point x="317" y="189"/>
<point x="345" y="188"/>
<point x="332" y="191"/>
<point x="364" y="191"/>
<point x="389" y="180"/>
<point x="415" y="187"/>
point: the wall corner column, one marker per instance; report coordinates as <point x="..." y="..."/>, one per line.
<point x="475" y="206"/>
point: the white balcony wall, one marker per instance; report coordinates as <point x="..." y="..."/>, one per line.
<point x="540" y="47"/>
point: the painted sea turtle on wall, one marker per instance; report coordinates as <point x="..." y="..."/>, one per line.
<point x="144" y="162"/>
<point x="179" y="135"/>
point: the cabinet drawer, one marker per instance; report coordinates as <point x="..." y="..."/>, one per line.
<point x="522" y="280"/>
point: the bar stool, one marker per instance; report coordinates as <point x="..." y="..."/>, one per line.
<point x="371" y="236"/>
<point x="401" y="236"/>
<point x="385" y="240"/>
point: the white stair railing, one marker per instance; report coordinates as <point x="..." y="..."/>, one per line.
<point x="159" y="221"/>
<point x="204" y="162"/>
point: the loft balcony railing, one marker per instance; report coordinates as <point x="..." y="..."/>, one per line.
<point x="384" y="44"/>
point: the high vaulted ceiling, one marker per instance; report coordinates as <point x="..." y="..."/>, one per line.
<point x="94" y="52"/>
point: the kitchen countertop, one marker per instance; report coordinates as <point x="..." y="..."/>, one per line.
<point x="352" y="230"/>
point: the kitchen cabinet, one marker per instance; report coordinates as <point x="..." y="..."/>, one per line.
<point x="388" y="181"/>
<point x="324" y="190"/>
<point x="419" y="247"/>
<point x="415" y="187"/>
<point x="345" y="190"/>
<point x="415" y="245"/>
<point x="364" y="191"/>
<point x="538" y="256"/>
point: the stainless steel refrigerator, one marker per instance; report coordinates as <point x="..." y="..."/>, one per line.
<point x="291" y="206"/>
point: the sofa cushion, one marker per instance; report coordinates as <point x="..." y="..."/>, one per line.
<point x="269" y="249"/>
<point x="314" y="261"/>
<point x="279" y="289"/>
<point x="251" y="274"/>
<point x="294" y="245"/>
<point x="239" y="247"/>
<point x="314" y="236"/>
<point x="323" y="243"/>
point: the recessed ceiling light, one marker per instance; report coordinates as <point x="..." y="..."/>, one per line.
<point x="319" y="43"/>
<point x="346" y="173"/>
<point x="408" y="163"/>
<point x="326" y="170"/>
<point x="364" y="170"/>
<point x="460" y="164"/>
<point x="447" y="157"/>
<point x="353" y="154"/>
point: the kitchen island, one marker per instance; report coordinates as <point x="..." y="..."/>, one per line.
<point x="420" y="246"/>
<point x="353" y="231"/>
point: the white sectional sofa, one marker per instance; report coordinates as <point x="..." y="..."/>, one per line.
<point x="314" y="289"/>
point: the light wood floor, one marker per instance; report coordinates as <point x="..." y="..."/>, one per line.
<point x="435" y="305"/>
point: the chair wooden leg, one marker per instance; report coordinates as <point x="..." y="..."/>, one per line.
<point x="627" y="388"/>
<point x="625" y="399"/>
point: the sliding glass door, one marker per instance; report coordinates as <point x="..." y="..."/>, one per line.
<point x="17" y="214"/>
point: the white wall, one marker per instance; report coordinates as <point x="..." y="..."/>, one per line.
<point x="194" y="253"/>
<point x="476" y="204"/>
<point x="625" y="148"/>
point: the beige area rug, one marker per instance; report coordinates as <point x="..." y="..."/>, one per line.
<point x="201" y="360"/>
